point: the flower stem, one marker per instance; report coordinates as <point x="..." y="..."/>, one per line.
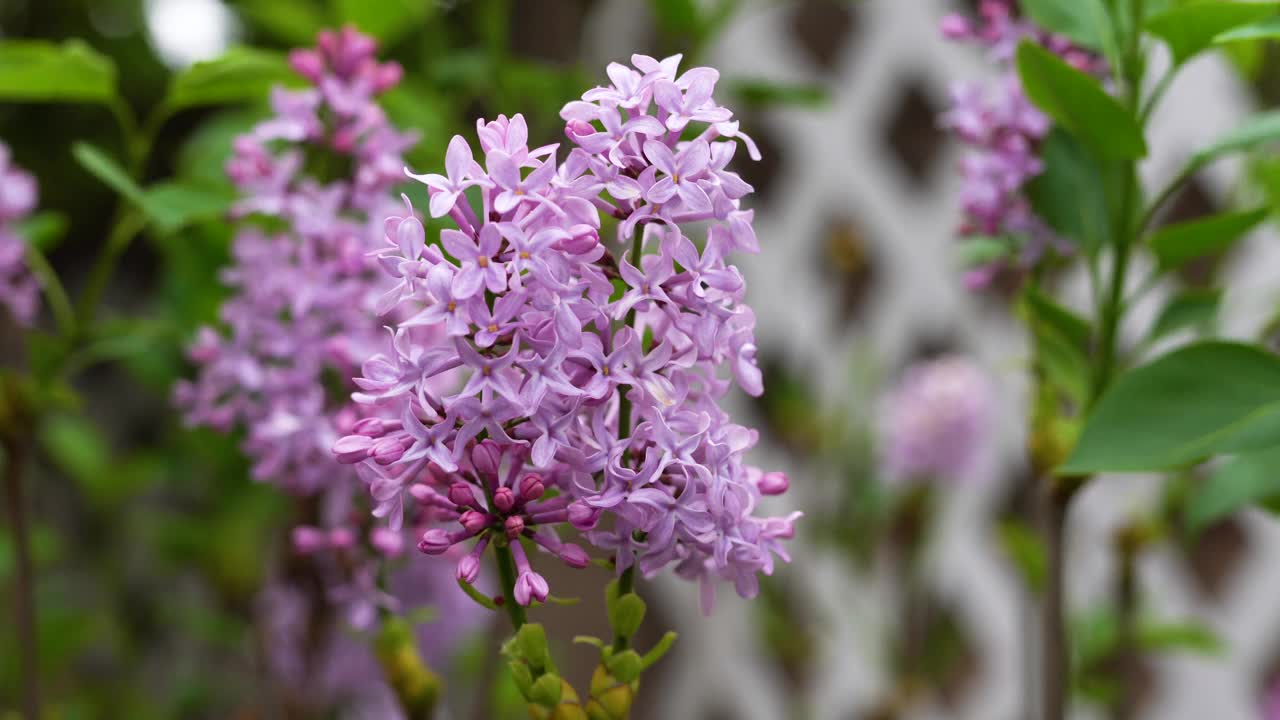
<point x="63" y="311"/>
<point x="507" y="574"/>
<point x="626" y="584"/>
<point x="127" y="225"/>
<point x="24" y="589"/>
<point x="1056" y="657"/>
<point x="1127" y="654"/>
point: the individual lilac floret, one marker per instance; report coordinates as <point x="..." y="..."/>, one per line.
<point x="19" y="290"/>
<point x="302" y="317"/>
<point x="936" y="421"/>
<point x="590" y="369"/>
<point x="1003" y="131"/>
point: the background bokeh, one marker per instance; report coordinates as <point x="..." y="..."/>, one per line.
<point x="152" y="544"/>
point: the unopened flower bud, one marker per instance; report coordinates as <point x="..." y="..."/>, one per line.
<point x="460" y="494"/>
<point x="387" y="450"/>
<point x="582" y="516"/>
<point x="486" y="457"/>
<point x="421" y="493"/>
<point x="574" y="556"/>
<point x="468" y="568"/>
<point x="514" y="526"/>
<point x="308" y="64"/>
<point x="504" y="499"/>
<point x="387" y="541"/>
<point x="370" y="427"/>
<point x="307" y="539"/>
<point x="342" y="539"/>
<point x="583" y="239"/>
<point x="474" y="521"/>
<point x="435" y="542"/>
<point x="352" y="449"/>
<point x="773" y="483"/>
<point x="531" y="488"/>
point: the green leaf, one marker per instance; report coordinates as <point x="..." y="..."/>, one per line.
<point x="239" y="75"/>
<point x="1062" y="343"/>
<point x="1191" y="636"/>
<point x="1177" y="244"/>
<point x="627" y="614"/>
<point x="77" y="447"/>
<point x="1079" y="104"/>
<point x="1191" y="28"/>
<point x="175" y="205"/>
<point x="766" y="93"/>
<point x="546" y="690"/>
<point x="1202" y="399"/>
<point x="1190" y="309"/>
<point x="40" y="71"/>
<point x="386" y="20"/>
<point x="44" y="230"/>
<point x="625" y="666"/>
<point x="1071" y="193"/>
<point x="1084" y="21"/>
<point x="1259" y="129"/>
<point x="107" y="170"/>
<point x="654" y="655"/>
<point x="1268" y="29"/>
<point x="1239" y="482"/>
<point x="677" y="17"/>
<point x="296" y="22"/>
<point x="170" y="205"/>
<point x="531" y="640"/>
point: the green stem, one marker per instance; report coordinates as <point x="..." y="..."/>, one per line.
<point x="63" y="311"/>
<point x="1166" y="194"/>
<point x="24" y="584"/>
<point x="1056" y="655"/>
<point x="128" y="224"/>
<point x="1127" y="653"/>
<point x="507" y="574"/>
<point x="626" y="585"/>
<point x="128" y="221"/>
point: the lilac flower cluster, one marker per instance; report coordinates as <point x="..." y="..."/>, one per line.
<point x="1004" y="131"/>
<point x="302" y="315"/>
<point x="936" y="420"/>
<point x="19" y="290"/>
<point x="304" y="310"/>
<point x="589" y="377"/>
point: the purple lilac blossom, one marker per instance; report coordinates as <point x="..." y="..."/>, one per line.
<point x="19" y="289"/>
<point x="1003" y="131"/>
<point x="587" y="372"/>
<point x="936" y="420"/>
<point x="302" y="313"/>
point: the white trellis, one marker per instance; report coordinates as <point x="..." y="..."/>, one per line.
<point x="836" y="162"/>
